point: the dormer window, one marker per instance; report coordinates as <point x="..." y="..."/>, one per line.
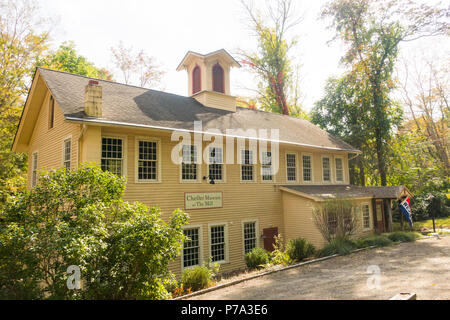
<point x="218" y="80"/>
<point x="196" y="80"/>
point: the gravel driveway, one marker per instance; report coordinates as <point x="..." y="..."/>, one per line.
<point x="422" y="267"/>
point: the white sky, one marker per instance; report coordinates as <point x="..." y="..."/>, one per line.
<point x="167" y="29"/>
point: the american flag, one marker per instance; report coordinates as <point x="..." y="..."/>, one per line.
<point x="405" y="207"/>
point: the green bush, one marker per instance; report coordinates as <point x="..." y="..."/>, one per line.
<point x="279" y="255"/>
<point x="340" y="246"/>
<point x="78" y="218"/>
<point x="299" y="249"/>
<point x="373" y="240"/>
<point x="401" y="236"/>
<point x="199" y="277"/>
<point x="256" y="258"/>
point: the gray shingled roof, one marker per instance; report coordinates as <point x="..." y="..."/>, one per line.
<point x="347" y="191"/>
<point x="134" y="106"/>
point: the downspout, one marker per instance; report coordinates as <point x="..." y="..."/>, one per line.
<point x="83" y="130"/>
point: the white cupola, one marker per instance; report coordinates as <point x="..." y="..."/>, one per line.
<point x="209" y="78"/>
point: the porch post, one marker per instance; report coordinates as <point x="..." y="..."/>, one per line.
<point x="389" y="210"/>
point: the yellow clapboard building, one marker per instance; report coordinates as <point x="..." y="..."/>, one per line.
<point x="242" y="175"/>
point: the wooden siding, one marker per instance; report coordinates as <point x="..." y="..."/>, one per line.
<point x="258" y="201"/>
<point x="49" y="142"/>
<point x="299" y="222"/>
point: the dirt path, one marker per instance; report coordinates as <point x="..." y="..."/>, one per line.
<point x="422" y="267"/>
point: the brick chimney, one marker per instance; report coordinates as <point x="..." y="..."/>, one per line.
<point x="93" y="99"/>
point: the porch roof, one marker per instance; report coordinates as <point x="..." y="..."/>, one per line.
<point x="326" y="192"/>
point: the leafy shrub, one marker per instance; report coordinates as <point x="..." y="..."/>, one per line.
<point x="279" y="255"/>
<point x="299" y="249"/>
<point x="78" y="217"/>
<point x="402" y="236"/>
<point x="373" y="240"/>
<point x="340" y="246"/>
<point x="199" y="277"/>
<point x="256" y="258"/>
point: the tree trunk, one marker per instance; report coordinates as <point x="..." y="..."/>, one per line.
<point x="380" y="119"/>
<point x="362" y="174"/>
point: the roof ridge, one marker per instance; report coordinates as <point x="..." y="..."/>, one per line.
<point x="112" y="82"/>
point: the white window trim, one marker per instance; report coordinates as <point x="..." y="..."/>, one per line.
<point x="35" y="152"/>
<point x="312" y="167"/>
<point x="69" y="137"/>
<point x="200" y="243"/>
<point x="296" y="166"/>
<point x="218" y="224"/>
<point x="255" y="179"/>
<point x="224" y="175"/>
<point x="335" y="169"/>
<point x="331" y="167"/>
<point x="257" y="231"/>
<point x="260" y="166"/>
<point x="362" y="216"/>
<point x="124" y="149"/>
<point x="199" y="166"/>
<point x="158" y="159"/>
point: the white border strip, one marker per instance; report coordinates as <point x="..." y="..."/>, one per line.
<point x="98" y="121"/>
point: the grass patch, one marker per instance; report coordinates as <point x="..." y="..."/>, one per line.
<point x="373" y="240"/>
<point x="337" y="246"/>
<point x="439" y="223"/>
<point x="400" y="236"/>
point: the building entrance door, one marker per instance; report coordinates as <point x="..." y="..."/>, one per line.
<point x="269" y="235"/>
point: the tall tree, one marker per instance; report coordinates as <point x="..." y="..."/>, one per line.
<point x="278" y="85"/>
<point x="136" y="66"/>
<point x="67" y="59"/>
<point x="425" y="93"/>
<point x="372" y="32"/>
<point x="24" y="37"/>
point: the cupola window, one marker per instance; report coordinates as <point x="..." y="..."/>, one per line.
<point x="218" y="80"/>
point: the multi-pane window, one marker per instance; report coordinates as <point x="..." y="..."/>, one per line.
<point x="189" y="164"/>
<point x="366" y="216"/>
<point x="215" y="164"/>
<point x="332" y="223"/>
<point x="34" y="163"/>
<point x="67" y="148"/>
<point x="112" y="155"/>
<point x="339" y="170"/>
<point x="246" y="165"/>
<point x="148" y="160"/>
<point x="326" y="171"/>
<point x="266" y="166"/>
<point x="291" y="167"/>
<point x="249" y="236"/>
<point x="191" y="248"/>
<point x="218" y="243"/>
<point x="306" y="161"/>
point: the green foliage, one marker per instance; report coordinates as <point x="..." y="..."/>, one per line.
<point x="400" y="236"/>
<point x="372" y="32"/>
<point x="67" y="59"/>
<point x="299" y="249"/>
<point x="278" y="88"/>
<point x="256" y="258"/>
<point x="279" y="254"/>
<point x="78" y="218"/>
<point x="341" y="246"/>
<point x="199" y="277"/>
<point x="20" y="47"/>
<point x="373" y="240"/>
